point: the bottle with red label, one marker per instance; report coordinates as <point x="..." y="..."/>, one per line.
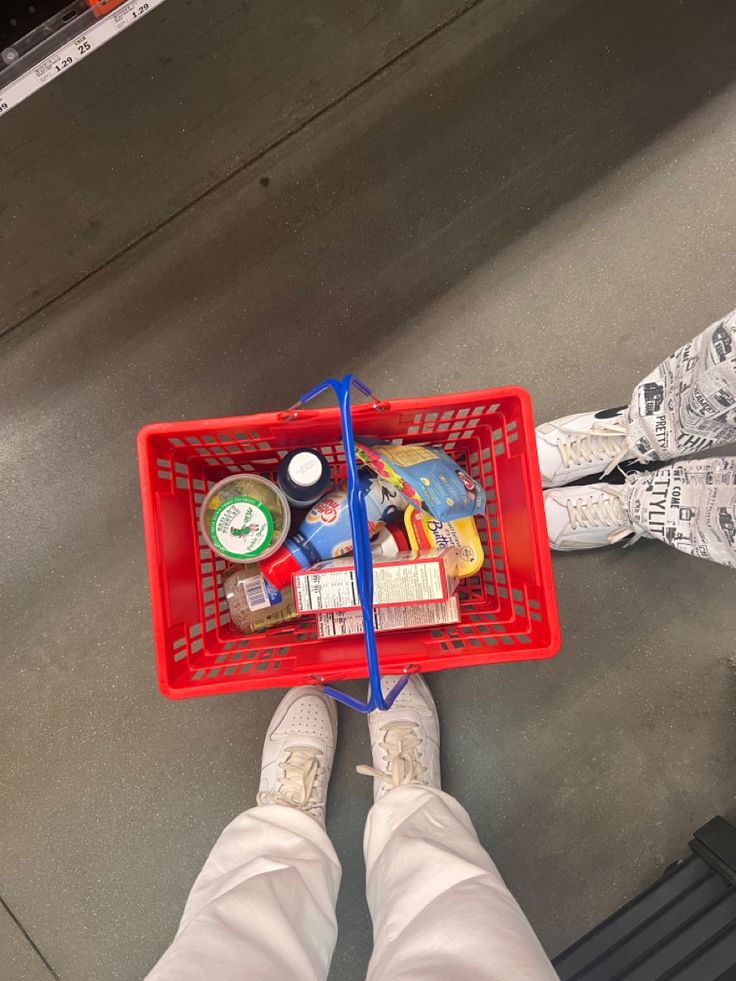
<point x="325" y="533"/>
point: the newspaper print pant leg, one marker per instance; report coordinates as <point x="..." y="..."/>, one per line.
<point x="690" y="505"/>
<point x="688" y="403"/>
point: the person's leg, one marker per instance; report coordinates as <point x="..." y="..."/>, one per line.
<point x="690" y="505"/>
<point x="688" y="403"/>
<point x="440" y="909"/>
<point x="264" y="904"/>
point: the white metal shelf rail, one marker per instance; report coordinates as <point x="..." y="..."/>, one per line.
<point x="21" y="77"/>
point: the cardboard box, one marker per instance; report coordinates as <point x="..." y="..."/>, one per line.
<point x="406" y="579"/>
<point x="341" y="623"/>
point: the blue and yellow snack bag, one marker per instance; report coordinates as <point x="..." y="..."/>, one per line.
<point x="427" y="477"/>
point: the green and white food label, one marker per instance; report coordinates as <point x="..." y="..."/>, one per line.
<point x="241" y="528"/>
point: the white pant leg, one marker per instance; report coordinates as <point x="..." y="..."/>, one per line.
<point x="440" y="909"/>
<point x="262" y="907"/>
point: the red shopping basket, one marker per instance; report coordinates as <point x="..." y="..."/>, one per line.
<point x="508" y="609"/>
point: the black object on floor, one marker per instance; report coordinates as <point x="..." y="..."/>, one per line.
<point x="683" y="928"/>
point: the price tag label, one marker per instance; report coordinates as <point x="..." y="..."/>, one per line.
<point x="73" y="51"/>
<point x="132" y="11"/>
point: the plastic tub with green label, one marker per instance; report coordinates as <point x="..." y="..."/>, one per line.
<point x="244" y="518"/>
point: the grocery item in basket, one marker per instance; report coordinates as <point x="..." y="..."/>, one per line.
<point x="427" y="477"/>
<point x="340" y="623"/>
<point x="304" y="477"/>
<point x="389" y="542"/>
<point x="244" y="517"/>
<point x="326" y="531"/>
<point x="404" y="580"/>
<point x="425" y="533"/>
<point x="252" y="603"/>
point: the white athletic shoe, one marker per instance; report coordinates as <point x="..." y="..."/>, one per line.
<point x="405" y="740"/>
<point x="582" y="445"/>
<point x="587" y="517"/>
<point x="298" y="752"/>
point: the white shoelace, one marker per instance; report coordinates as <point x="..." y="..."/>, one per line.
<point x="603" y="440"/>
<point x="301" y="783"/>
<point x="401" y="753"/>
<point x="602" y="512"/>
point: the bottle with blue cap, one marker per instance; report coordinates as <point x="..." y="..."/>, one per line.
<point x="304" y="476"/>
<point x="326" y="533"/>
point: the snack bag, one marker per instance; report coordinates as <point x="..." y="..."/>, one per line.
<point x="427" y="477"/>
<point x="426" y="533"/>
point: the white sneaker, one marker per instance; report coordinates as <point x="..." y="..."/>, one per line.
<point x="587" y="517"/>
<point x="298" y="752"/>
<point x="582" y="445"/>
<point x="405" y="740"/>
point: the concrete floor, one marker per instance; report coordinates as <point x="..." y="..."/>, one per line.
<point x="541" y="197"/>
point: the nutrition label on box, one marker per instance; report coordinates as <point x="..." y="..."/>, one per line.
<point x="414" y="582"/>
<point x="340" y="623"/>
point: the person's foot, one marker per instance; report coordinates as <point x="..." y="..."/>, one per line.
<point x="405" y="740"/>
<point x="586" y="517"/>
<point x="582" y="445"/>
<point x="298" y="752"/>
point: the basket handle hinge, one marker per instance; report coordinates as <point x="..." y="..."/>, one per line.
<point x="293" y="411"/>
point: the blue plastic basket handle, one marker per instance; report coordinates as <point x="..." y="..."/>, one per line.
<point x="361" y="545"/>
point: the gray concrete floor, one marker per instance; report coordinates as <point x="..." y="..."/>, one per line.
<point x="542" y="198"/>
